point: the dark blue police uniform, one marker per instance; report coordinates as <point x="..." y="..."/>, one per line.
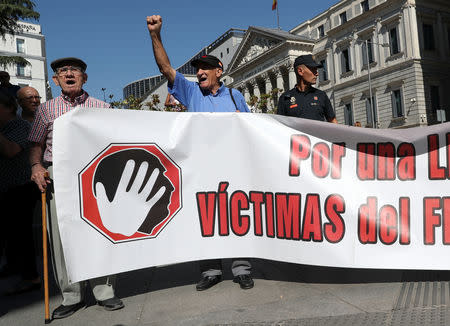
<point x="311" y="104"/>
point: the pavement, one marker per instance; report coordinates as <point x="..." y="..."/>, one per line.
<point x="284" y="294"/>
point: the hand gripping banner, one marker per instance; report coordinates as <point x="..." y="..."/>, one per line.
<point x="136" y="189"/>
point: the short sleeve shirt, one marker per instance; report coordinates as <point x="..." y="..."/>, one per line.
<point x="15" y="171"/>
<point x="313" y="104"/>
<point x="42" y="127"/>
<point x="197" y="100"/>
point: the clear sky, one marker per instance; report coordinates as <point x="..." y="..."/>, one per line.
<point x="112" y="36"/>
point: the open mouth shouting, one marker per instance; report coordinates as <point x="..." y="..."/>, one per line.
<point x="203" y="80"/>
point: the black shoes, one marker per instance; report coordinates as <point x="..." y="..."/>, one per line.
<point x="245" y="281"/>
<point x="111" y="304"/>
<point x="207" y="281"/>
<point x="66" y="311"/>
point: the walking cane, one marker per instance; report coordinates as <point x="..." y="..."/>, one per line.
<point x="44" y="249"/>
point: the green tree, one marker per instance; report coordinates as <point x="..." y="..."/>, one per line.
<point x="11" y="11"/>
<point x="153" y="104"/>
<point x="266" y="103"/>
<point x="130" y="103"/>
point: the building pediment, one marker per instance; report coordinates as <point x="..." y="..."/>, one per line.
<point x="259" y="41"/>
<point x="256" y="47"/>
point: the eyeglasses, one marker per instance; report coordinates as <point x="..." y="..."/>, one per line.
<point x="33" y="98"/>
<point x="65" y="70"/>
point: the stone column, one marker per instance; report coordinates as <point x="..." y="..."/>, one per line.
<point x="292" y="77"/>
<point x="378" y="49"/>
<point x="336" y="63"/>
<point x="268" y="83"/>
<point x="280" y="80"/>
<point x="246" y="93"/>
<point x="413" y="30"/>
<point x="255" y="88"/>
<point x="330" y="64"/>
<point x="355" y="60"/>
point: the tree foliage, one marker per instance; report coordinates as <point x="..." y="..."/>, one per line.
<point x="265" y="103"/>
<point x="7" y="60"/>
<point x="133" y="103"/>
<point x="153" y="104"/>
<point x="11" y="11"/>
<point x="130" y="103"/>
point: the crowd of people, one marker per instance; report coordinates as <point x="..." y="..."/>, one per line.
<point x="26" y="159"/>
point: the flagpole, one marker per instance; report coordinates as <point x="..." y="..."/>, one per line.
<point x="278" y="17"/>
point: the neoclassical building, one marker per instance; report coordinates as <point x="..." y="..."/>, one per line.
<point x="386" y="62"/>
<point x="29" y="43"/>
<point x="264" y="61"/>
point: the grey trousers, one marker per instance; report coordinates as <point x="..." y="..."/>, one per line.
<point x="102" y="287"/>
<point x="213" y="267"/>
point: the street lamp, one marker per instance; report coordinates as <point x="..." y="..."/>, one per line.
<point x="104" y="97"/>
<point x="372" y="107"/>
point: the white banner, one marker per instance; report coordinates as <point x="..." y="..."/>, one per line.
<point x="136" y="189"/>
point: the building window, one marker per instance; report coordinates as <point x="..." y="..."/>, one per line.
<point x="393" y="41"/>
<point x="367" y="50"/>
<point x="435" y="100"/>
<point x="20" y="70"/>
<point x="221" y="55"/>
<point x="228" y="50"/>
<point x="397" y="104"/>
<point x="436" y="103"/>
<point x="365" y="5"/>
<point x="428" y="37"/>
<point x="20" y="45"/>
<point x="343" y="17"/>
<point x="371" y="111"/>
<point x="348" y="114"/>
<point x="323" y="72"/>
<point x="321" y="31"/>
<point x="345" y="61"/>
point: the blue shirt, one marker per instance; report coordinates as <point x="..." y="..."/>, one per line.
<point x="197" y="100"/>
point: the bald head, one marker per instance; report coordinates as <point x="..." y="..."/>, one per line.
<point x="28" y="99"/>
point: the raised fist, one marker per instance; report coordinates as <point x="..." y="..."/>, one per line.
<point x="154" y="23"/>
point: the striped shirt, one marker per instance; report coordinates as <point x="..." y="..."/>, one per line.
<point x="42" y="128"/>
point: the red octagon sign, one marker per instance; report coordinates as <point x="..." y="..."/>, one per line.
<point x="89" y="208"/>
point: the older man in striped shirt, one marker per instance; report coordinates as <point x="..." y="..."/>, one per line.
<point x="70" y="75"/>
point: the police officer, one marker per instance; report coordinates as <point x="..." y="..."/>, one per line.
<point x="305" y="101"/>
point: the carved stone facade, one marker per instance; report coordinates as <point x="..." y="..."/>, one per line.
<point x="264" y="60"/>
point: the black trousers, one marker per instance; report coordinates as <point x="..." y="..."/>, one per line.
<point x="18" y="205"/>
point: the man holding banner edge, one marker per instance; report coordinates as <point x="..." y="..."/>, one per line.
<point x="208" y="95"/>
<point x="70" y="75"/>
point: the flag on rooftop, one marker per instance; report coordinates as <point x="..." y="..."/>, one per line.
<point x="274" y="5"/>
